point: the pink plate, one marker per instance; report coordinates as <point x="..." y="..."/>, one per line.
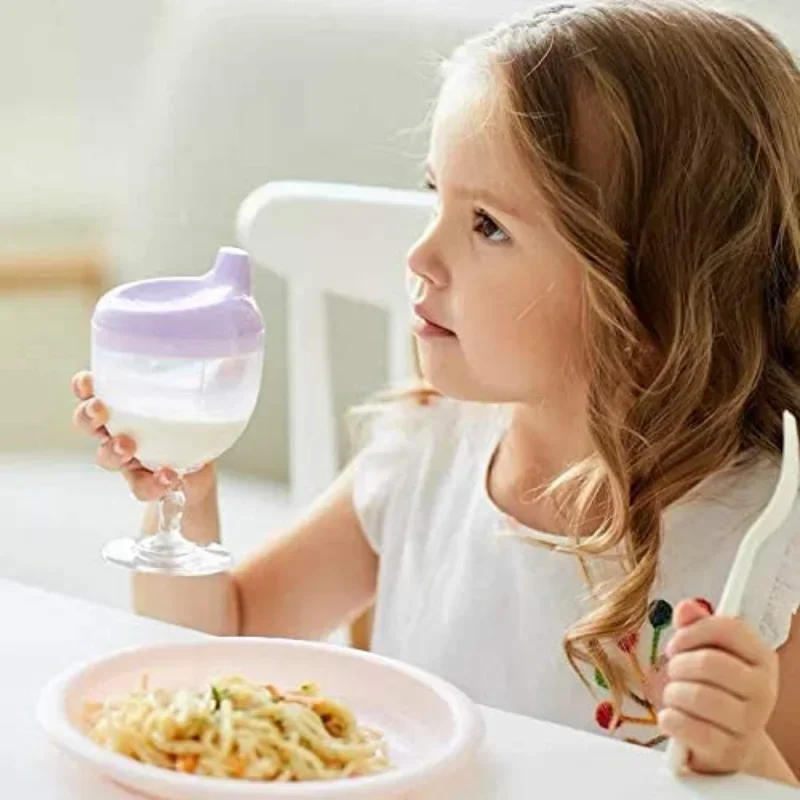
<point x="432" y="729"/>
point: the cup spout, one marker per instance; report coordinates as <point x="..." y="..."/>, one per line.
<point x="232" y="268"/>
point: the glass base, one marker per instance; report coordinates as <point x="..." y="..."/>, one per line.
<point x="157" y="555"/>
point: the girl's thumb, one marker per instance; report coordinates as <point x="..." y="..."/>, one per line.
<point x="688" y="612"/>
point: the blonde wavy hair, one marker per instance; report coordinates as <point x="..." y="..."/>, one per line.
<point x="666" y="140"/>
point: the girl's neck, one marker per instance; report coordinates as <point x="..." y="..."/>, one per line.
<point x="540" y="444"/>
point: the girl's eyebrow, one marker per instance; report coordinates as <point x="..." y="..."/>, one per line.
<point x="483" y="196"/>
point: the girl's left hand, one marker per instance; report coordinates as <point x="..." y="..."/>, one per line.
<point x="722" y="689"/>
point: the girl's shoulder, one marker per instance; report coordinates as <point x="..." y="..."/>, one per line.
<point x="410" y="454"/>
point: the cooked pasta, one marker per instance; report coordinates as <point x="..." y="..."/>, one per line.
<point x="236" y="728"/>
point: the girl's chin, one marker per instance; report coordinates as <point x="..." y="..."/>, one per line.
<point x="450" y="378"/>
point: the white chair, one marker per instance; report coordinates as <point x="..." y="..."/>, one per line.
<point x="344" y="240"/>
<point x="332" y="239"/>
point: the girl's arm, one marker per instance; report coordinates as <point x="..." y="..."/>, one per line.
<point x="319" y="574"/>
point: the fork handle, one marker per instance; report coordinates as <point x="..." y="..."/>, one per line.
<point x="677" y="756"/>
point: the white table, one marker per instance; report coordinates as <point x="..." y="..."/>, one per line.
<point x="42" y="633"/>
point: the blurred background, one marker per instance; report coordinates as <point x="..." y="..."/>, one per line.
<point x="132" y="130"/>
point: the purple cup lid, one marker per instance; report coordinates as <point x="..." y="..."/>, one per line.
<point x="212" y="316"/>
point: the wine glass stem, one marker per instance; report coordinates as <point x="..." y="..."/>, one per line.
<point x="170" y="513"/>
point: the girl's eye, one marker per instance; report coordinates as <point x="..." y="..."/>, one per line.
<point x="488" y="228"/>
<point x="483" y="224"/>
<point x="430" y="186"/>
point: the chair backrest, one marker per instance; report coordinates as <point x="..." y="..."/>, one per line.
<point x="339" y="239"/>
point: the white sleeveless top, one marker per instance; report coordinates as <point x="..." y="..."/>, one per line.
<point x="460" y="597"/>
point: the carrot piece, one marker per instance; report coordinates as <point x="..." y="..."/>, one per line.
<point x="235" y="765"/>
<point x="187" y="763"/>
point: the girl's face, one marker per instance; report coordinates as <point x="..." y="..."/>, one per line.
<point x="496" y="290"/>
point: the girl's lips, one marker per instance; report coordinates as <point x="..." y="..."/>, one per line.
<point x="426" y="329"/>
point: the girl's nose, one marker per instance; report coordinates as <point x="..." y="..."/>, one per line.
<point x="425" y="265"/>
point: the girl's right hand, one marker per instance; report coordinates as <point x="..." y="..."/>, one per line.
<point x="119" y="453"/>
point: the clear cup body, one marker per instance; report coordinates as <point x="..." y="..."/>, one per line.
<point x="182" y="412"/>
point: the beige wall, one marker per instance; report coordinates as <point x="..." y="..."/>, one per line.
<point x="43" y="337"/>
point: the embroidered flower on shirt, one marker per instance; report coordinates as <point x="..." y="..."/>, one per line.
<point x="647" y="677"/>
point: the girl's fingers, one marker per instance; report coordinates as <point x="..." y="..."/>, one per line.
<point x="714" y="668"/>
<point x="83" y="385"/>
<point x="724" y="633"/>
<point x="90" y="417"/>
<point x="711" y="748"/>
<point x="115" y="453"/>
<point x="168" y="477"/>
<point x="687" y="612"/>
<point x="709" y="704"/>
<point x="145" y="485"/>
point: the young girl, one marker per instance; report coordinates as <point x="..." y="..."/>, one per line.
<point x="608" y="320"/>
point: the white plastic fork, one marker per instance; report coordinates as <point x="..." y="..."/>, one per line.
<point x="769" y="522"/>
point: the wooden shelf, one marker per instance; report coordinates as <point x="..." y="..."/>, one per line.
<point x="83" y="272"/>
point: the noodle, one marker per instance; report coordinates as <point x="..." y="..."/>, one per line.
<point x="239" y="729"/>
